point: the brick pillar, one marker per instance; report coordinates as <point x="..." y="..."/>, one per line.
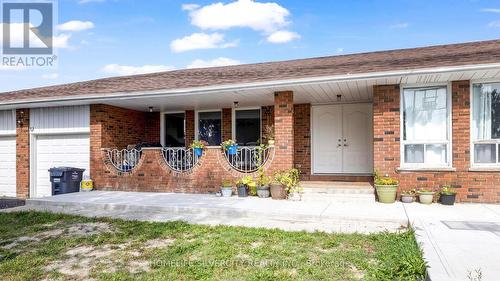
<point x="22" y="153"/>
<point x="460" y="102"/>
<point x="152" y="127"/>
<point x="386" y="128"/>
<point x="302" y="138"/>
<point x="189" y="137"/>
<point x="97" y="115"/>
<point x="283" y="127"/>
<point x="267" y="116"/>
<point x="227" y="127"/>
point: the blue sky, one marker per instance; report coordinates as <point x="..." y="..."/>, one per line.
<point x="102" y="38"/>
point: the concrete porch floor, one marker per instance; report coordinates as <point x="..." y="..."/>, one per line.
<point x="455" y="239"/>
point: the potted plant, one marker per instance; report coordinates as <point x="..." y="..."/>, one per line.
<point x="227" y="188"/>
<point x="230" y="146"/>
<point x="269" y="134"/>
<point x="408" y="196"/>
<point x="245" y="184"/>
<point x="198" y="147"/>
<point x="278" y="190"/>
<point x="447" y="195"/>
<point x="426" y="196"/>
<point x="386" y="188"/>
<point x="263" y="184"/>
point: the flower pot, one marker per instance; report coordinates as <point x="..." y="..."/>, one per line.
<point x="242" y="190"/>
<point x="278" y="191"/>
<point x="407" y="198"/>
<point x="226" y="191"/>
<point x="232" y="150"/>
<point x="426" y="197"/>
<point x="386" y="193"/>
<point x="263" y="191"/>
<point x="447" y="199"/>
<point x="198" y="151"/>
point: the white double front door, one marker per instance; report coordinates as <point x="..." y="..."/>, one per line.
<point x="342" y="139"/>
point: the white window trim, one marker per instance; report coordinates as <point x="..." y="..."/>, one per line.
<point x="233" y="120"/>
<point x="162" y="124"/>
<point x="196" y="120"/>
<point x="449" y="149"/>
<point x="474" y="165"/>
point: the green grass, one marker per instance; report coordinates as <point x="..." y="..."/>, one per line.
<point x="194" y="252"/>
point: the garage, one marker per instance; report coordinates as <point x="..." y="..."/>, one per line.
<point x="58" y="139"/>
<point x="7" y="153"/>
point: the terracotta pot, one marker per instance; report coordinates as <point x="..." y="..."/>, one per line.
<point x="278" y="191"/>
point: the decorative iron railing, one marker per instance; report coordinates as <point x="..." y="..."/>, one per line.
<point x="180" y="159"/>
<point x="248" y="159"/>
<point x="124" y="160"/>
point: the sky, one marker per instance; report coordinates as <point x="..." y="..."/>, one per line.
<point x="103" y="38"/>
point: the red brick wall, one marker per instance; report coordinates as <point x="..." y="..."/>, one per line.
<point x="283" y="128"/>
<point x="471" y="186"/>
<point x="227" y="121"/>
<point x="189" y="115"/>
<point x="302" y="138"/>
<point x="152" y="174"/>
<point x="152" y="127"/>
<point x="22" y="153"/>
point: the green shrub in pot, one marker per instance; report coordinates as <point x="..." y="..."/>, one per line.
<point x="386" y="188"/>
<point x="447" y="195"/>
<point x="263" y="184"/>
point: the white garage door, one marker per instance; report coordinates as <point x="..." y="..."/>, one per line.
<point x="8" y="166"/>
<point x="57" y="151"/>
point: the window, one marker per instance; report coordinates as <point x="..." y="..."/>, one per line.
<point x="486" y="124"/>
<point x="174" y="130"/>
<point x="209" y="127"/>
<point x="247" y="126"/>
<point x="426" y="127"/>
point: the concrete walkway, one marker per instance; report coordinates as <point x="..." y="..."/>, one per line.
<point x="456" y="239"/>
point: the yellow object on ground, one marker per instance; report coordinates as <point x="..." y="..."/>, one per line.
<point x="87" y="185"/>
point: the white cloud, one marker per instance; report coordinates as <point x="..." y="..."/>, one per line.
<point x="339" y="50"/>
<point x="494" y="24"/>
<point x="221" y="61"/>
<point x="50" y="76"/>
<point x="200" y="41"/>
<point x="267" y="17"/>
<point x="76" y="25"/>
<point x="61" y="41"/>
<point x="190" y="7"/>
<point x="116" y="69"/>
<point x="282" y="36"/>
<point x="400" y="25"/>
<point x="491" y="10"/>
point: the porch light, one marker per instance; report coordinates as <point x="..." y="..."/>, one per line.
<point x="235" y="103"/>
<point x="150" y="109"/>
<point x="339" y="97"/>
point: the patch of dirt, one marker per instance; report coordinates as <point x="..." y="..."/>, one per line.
<point x="256" y="244"/>
<point x="358" y="274"/>
<point x="158" y="243"/>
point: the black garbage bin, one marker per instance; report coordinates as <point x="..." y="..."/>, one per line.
<point x="65" y="179"/>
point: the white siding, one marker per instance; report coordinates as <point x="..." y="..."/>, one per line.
<point x="7" y="122"/>
<point x="65" y="119"/>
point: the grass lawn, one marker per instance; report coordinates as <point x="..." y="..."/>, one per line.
<point x="35" y="246"/>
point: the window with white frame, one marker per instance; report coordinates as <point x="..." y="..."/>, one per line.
<point x="247" y="126"/>
<point x="486" y="124"/>
<point x="426" y="127"/>
<point x="209" y="127"/>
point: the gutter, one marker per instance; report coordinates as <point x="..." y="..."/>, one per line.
<point x="244" y="86"/>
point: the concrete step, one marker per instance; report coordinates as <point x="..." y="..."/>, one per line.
<point x="338" y="191"/>
<point x="336" y="198"/>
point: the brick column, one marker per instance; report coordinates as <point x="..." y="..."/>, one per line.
<point x="189" y="137"/>
<point x="22" y="153"/>
<point x="460" y="102"/>
<point x="267" y="116"/>
<point x="152" y="127"/>
<point x="283" y="127"/>
<point x="227" y="121"/>
<point x="386" y="128"/>
<point x="302" y="138"/>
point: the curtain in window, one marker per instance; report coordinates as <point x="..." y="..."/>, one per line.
<point x="209" y="127"/>
<point x="481" y="123"/>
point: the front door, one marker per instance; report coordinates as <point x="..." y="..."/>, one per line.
<point x="342" y="139"/>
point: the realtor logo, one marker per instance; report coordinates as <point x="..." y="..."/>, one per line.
<point x="27" y="28"/>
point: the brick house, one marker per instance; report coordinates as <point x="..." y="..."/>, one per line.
<point x="427" y="116"/>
